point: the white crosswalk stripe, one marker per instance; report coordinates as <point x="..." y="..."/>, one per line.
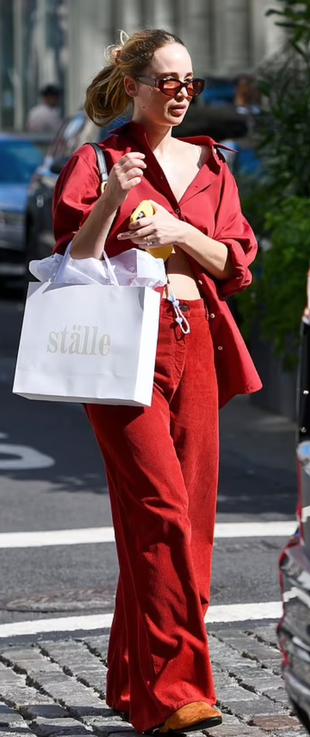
<point x="93" y="535"/>
<point x="98" y="535"/>
<point x="229" y="613"/>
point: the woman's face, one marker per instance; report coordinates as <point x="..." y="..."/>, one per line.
<point x="150" y="104"/>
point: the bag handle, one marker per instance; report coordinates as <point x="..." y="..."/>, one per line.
<point x="103" y="174"/>
<point x="63" y="264"/>
<point x="102" y="165"/>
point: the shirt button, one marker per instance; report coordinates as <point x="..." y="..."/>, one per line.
<point x="199" y="281"/>
<point x="177" y="210"/>
<point x="212" y="315"/>
<point x="219" y="347"/>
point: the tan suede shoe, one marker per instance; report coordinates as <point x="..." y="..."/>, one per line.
<point x="192" y="717"/>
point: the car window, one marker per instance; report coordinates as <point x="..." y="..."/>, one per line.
<point x="117" y="123"/>
<point x="77" y="130"/>
<point x="18" y="160"/>
<point x="71" y="135"/>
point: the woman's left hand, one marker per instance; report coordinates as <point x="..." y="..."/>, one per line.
<point x="162" y="229"/>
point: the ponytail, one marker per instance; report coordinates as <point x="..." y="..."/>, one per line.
<point x="106" y="97"/>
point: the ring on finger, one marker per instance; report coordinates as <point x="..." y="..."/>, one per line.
<point x="149" y="241"/>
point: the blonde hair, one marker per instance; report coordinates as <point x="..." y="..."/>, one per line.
<point x="106" y="97"/>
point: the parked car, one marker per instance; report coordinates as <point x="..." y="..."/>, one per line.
<point x="294" y="628"/>
<point x="20" y="155"/>
<point x="76" y="130"/>
<point x="220" y="91"/>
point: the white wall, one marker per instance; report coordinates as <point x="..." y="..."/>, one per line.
<point x="90" y="25"/>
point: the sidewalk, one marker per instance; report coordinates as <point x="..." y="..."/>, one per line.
<point x="57" y="688"/>
<point x="258" y="436"/>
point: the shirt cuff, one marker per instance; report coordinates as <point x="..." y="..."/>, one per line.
<point x="241" y="277"/>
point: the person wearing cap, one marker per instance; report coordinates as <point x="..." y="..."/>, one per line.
<point x="46" y="116"/>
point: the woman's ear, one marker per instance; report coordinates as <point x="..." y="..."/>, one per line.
<point x="131" y="88"/>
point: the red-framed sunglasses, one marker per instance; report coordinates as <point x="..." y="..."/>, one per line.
<point x="171" y="86"/>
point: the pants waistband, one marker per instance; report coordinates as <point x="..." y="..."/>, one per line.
<point x="190" y="307"/>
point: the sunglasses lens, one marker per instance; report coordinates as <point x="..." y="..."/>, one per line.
<point x="170" y="86"/>
<point x="195" y="87"/>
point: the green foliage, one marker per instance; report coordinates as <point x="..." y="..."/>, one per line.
<point x="255" y="196"/>
<point x="295" y="18"/>
<point x="277" y="295"/>
<point x="278" y="206"/>
<point x="284" y="81"/>
<point x="283" y="139"/>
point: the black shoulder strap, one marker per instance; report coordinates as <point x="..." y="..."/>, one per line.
<point x="102" y="166"/>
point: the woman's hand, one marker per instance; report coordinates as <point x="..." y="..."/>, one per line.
<point x="162" y="229"/>
<point x="124" y="175"/>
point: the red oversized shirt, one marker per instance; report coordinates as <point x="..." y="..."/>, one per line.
<point x="210" y="203"/>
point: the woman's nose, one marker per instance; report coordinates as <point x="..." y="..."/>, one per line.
<point x="183" y="92"/>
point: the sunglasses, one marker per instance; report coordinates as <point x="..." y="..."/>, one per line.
<point x="171" y="86"/>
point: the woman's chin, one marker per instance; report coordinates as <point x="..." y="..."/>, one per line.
<point x="176" y="116"/>
<point x="174" y="119"/>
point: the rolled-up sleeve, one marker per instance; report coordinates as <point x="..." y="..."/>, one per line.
<point x="76" y="192"/>
<point x="234" y="231"/>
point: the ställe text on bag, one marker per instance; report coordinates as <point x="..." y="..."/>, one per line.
<point x="83" y="340"/>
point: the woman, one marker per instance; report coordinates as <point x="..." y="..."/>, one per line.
<point x="162" y="461"/>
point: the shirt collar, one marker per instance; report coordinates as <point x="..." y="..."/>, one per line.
<point x="137" y="132"/>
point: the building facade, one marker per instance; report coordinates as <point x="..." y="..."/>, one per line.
<point x="62" y="41"/>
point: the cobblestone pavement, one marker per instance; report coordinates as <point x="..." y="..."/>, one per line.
<point x="56" y="688"/>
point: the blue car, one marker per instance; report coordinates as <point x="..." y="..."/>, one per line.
<point x="19" y="157"/>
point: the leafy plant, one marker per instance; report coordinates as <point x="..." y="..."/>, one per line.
<point x="277" y="295"/>
<point x="295" y="18"/>
<point x="276" y="298"/>
<point x="284" y="82"/>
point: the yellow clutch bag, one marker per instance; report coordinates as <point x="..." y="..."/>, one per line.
<point x="146" y="210"/>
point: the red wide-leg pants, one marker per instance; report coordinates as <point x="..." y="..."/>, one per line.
<point x="162" y="470"/>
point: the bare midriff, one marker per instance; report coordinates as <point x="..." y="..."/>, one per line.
<point x="181" y="276"/>
<point x="180" y="172"/>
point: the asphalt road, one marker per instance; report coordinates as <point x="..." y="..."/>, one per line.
<point x="66" y="489"/>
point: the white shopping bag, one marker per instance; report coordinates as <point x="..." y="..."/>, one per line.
<point x="82" y="343"/>
<point x="132" y="268"/>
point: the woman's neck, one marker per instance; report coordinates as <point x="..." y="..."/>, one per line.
<point x="158" y="136"/>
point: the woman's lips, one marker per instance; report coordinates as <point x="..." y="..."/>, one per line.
<point x="178" y="109"/>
